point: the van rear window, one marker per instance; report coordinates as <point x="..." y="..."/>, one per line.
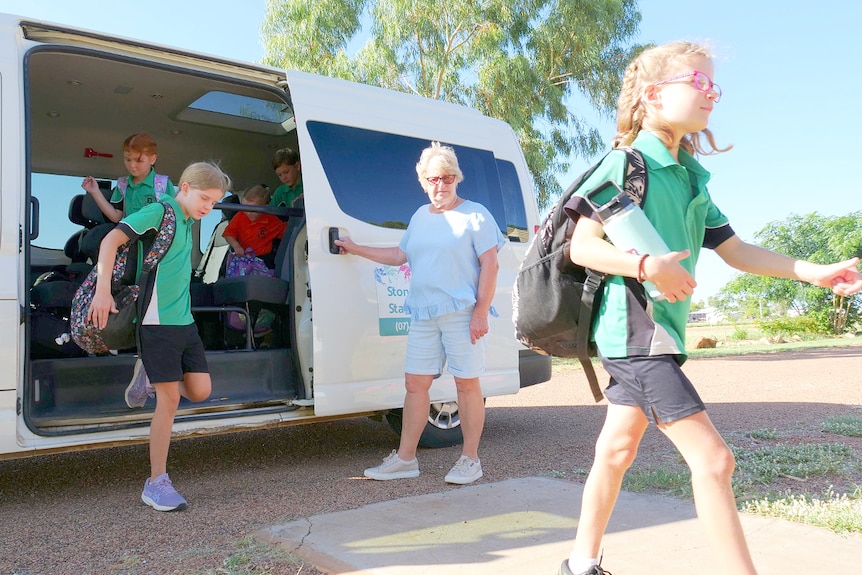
<point x="373" y="177"/>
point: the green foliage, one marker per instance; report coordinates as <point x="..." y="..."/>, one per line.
<point x="765" y="465"/>
<point x="847" y="425"/>
<point x="517" y="60"/>
<point x="739" y="334"/>
<point x="811" y="237"/>
<point x="798" y="325"/>
<point x="841" y="513"/>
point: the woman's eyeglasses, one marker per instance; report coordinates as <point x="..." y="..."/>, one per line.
<point x="701" y="81"/>
<point x="434" y="180"/>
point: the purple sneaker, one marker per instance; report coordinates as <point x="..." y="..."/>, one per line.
<point x="161" y="495"/>
<point x="139" y="388"/>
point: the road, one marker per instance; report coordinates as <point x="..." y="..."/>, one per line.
<point x="80" y="513"/>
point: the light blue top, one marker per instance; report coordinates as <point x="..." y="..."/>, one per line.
<point x="443" y="252"/>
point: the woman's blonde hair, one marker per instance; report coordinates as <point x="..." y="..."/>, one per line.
<point x="205" y="176"/>
<point x="651" y="66"/>
<point x="445" y="155"/>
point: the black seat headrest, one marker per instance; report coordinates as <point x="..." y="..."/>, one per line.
<point x="76" y="216"/>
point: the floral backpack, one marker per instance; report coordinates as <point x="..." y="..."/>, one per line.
<point x="129" y="297"/>
<point x="247" y="264"/>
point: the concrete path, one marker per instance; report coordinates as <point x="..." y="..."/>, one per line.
<point x="525" y="527"/>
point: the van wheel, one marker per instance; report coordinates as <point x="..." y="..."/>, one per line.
<point x="443" y="428"/>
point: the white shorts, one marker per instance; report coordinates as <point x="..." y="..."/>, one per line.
<point x="446" y="339"/>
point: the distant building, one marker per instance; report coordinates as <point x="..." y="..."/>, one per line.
<point x="707" y="314"/>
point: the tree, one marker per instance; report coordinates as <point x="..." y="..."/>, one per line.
<point x="820" y="239"/>
<point x="517" y="60"/>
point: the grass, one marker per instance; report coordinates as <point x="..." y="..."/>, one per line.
<point x="765" y="465"/>
<point x="252" y="557"/>
<point x="759" y="469"/>
<point x="846" y="425"/>
<point x="841" y="513"/>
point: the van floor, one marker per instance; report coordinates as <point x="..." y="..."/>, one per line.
<point x="91" y="390"/>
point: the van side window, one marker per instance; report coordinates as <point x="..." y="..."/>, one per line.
<point x="373" y="175"/>
<point x="513" y="203"/>
<point x="54" y="192"/>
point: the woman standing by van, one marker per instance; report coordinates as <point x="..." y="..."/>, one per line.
<point x="451" y="246"/>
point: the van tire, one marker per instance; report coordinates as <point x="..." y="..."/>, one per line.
<point x="443" y="428"/>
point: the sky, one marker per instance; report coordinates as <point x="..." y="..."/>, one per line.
<point x="787" y="75"/>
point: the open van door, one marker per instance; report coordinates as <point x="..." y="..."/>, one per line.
<point x="359" y="147"/>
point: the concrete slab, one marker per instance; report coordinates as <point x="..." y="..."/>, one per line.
<point x="526" y="526"/>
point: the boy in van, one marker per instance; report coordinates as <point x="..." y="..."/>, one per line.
<point x="255" y="230"/>
<point x="261" y="233"/>
<point x="289" y="171"/>
<point x="140" y="187"/>
<point x="171" y="352"/>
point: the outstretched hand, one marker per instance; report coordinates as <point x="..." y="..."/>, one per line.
<point x="842" y="277"/>
<point x="90" y="185"/>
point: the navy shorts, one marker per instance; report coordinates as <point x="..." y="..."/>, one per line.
<point x="656" y="384"/>
<point x="169" y="351"/>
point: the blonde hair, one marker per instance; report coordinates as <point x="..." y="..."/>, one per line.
<point x="652" y="66"/>
<point x="205" y="176"/>
<point x="256" y="195"/>
<point x="446" y="157"/>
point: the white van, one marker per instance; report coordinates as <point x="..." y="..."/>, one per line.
<point x="68" y="99"/>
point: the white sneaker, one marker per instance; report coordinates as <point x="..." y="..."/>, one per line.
<point x="465" y="471"/>
<point x="393" y="467"/>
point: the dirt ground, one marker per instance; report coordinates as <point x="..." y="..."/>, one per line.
<point x="80" y="513"/>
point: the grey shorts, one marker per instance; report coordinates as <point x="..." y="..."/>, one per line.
<point x="656" y="384"/>
<point x="432" y="343"/>
<point x="169" y="351"/>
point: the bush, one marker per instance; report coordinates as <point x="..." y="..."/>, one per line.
<point x="789" y="326"/>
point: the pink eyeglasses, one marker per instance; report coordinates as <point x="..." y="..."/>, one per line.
<point x="702" y="82"/>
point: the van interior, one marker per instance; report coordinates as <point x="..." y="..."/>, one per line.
<point x="81" y="104"/>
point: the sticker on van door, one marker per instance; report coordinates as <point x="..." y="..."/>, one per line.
<point x="393" y="285"/>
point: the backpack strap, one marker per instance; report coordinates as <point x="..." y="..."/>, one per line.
<point x="163" y="242"/>
<point x="635" y="186"/>
<point x="122" y="184"/>
<point x="160" y="185"/>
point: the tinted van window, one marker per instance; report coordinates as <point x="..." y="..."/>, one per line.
<point x="513" y="202"/>
<point x="373" y="175"/>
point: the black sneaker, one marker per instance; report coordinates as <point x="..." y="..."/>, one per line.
<point x="594" y="570"/>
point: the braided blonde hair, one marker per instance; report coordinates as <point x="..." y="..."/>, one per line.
<point x="649" y="67"/>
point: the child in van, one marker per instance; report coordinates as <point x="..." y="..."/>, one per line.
<point x="140" y="187"/>
<point x="172" y="354"/>
<point x="289" y="171"/>
<point x="261" y="233"/>
<point x="255" y="230"/>
<point x="667" y="97"/>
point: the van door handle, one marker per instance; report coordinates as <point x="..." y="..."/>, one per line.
<point x="333" y="235"/>
<point x="34" y="218"/>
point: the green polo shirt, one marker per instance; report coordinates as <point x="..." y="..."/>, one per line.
<point x="285" y="195"/>
<point x="679" y="206"/>
<point x="171" y="301"/>
<point x="141" y="194"/>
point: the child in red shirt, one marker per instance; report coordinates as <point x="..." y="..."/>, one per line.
<point x="253" y="229"/>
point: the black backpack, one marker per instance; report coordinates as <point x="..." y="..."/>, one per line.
<point x="553" y="299"/>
